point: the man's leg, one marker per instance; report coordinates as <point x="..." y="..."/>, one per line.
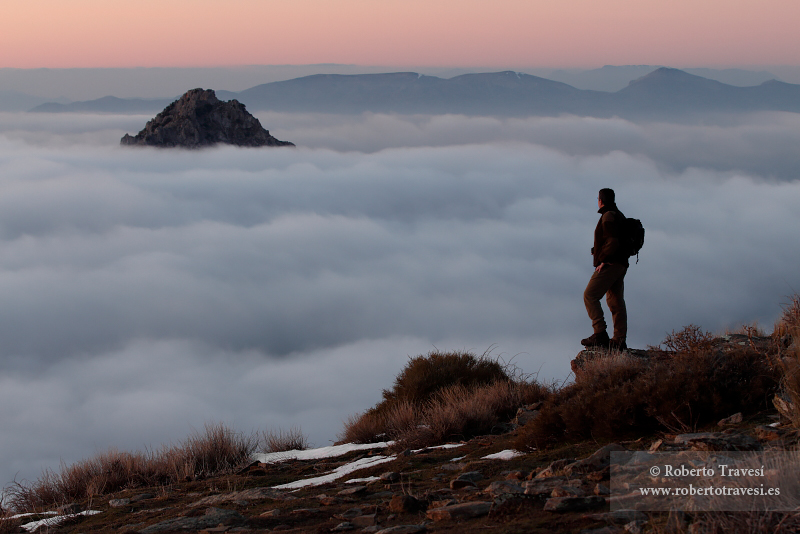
<point x="599" y="284"/>
<point x="615" y="298"/>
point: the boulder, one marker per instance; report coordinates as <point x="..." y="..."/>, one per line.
<point x="213" y="517"/>
<point x="719" y="441"/>
<point x="466" y="510"/>
<point x="573" y="504"/>
<point x="199" y="119"/>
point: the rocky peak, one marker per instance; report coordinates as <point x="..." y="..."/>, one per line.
<point x="199" y="119"/>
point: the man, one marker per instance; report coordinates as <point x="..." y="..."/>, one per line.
<point x="610" y="266"/>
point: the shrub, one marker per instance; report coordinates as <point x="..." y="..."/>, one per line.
<point x="690" y="340"/>
<point x="787" y="332"/>
<point x="442" y="396"/>
<point x="424" y="376"/>
<point x="624" y="397"/>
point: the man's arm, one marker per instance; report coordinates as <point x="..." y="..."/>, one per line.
<point x="611" y="241"/>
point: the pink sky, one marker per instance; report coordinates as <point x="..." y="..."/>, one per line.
<point x="464" y="33"/>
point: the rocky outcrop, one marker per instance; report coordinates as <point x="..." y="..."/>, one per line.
<point x="199" y="119"/>
<point x="720" y="346"/>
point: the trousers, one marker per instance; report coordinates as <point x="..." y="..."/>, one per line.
<point x="610" y="281"/>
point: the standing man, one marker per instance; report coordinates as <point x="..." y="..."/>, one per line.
<point x="610" y="266"/>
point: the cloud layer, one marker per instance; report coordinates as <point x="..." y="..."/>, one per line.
<point x="144" y="293"/>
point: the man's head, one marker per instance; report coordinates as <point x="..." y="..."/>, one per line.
<point x="605" y="197"/>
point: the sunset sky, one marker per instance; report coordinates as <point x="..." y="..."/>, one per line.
<point x="521" y="33"/>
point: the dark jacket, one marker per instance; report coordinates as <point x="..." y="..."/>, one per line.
<point x="608" y="237"/>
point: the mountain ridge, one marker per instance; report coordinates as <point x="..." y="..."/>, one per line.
<point x="661" y="94"/>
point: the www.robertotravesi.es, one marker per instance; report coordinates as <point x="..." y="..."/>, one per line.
<point x="709" y="491"/>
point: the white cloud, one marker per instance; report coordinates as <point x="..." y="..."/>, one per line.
<point x="145" y="292"/>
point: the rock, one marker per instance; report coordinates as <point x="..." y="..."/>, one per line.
<point x="390" y="477"/>
<point x="719" y="441"/>
<point x="342" y="527"/>
<point x="349" y="514"/>
<point x="527" y="413"/>
<point x="443" y="503"/>
<point x="473" y="476"/>
<point x="734" y="419"/>
<point x="213" y="517"/>
<point x="199" y="119"/>
<point x="544" y="486"/>
<point x="567" y="491"/>
<point x="466" y="480"/>
<point x="598" y="461"/>
<point x="458" y="483"/>
<point x="501" y="487"/>
<point x="253" y="494"/>
<point x="573" y="504"/>
<point x="785" y="407"/>
<point x="270" y="513"/>
<point x="364" y="520"/>
<point x="466" y="510"/>
<point x="555" y="468"/>
<point x="119" y="503"/>
<point x="768" y="433"/>
<point x="404" y="504"/>
<point x="589" y="355"/>
<point x="71" y="508"/>
<point x="404" y="529"/>
<point x="305" y="511"/>
<point x="352" y="491"/>
<point x="602" y="490"/>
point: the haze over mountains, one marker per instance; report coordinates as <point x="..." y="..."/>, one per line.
<point x="661" y="94"/>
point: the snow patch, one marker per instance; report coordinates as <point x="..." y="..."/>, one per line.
<point x="507" y="454"/>
<point x="445" y="446"/>
<point x="53" y="521"/>
<point x="337" y="473"/>
<point x="318" y="454"/>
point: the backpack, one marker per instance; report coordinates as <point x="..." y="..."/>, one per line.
<point x="633" y="237"/>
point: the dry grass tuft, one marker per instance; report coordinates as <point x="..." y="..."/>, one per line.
<point x="369" y="427"/>
<point x="280" y="441"/>
<point x="218" y="450"/>
<point x="460" y="413"/>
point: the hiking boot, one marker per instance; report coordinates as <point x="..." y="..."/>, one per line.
<point x="617" y="344"/>
<point x="598" y="339"/>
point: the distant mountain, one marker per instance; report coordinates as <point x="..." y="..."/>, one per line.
<point x="505" y="93"/>
<point x="666" y="91"/>
<point x="107" y="104"/>
<point x="662" y="94"/>
<point x="612" y="78"/>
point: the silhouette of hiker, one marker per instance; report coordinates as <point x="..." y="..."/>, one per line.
<point x="611" y="264"/>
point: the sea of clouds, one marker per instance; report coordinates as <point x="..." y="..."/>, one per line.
<point x="144" y="293"/>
